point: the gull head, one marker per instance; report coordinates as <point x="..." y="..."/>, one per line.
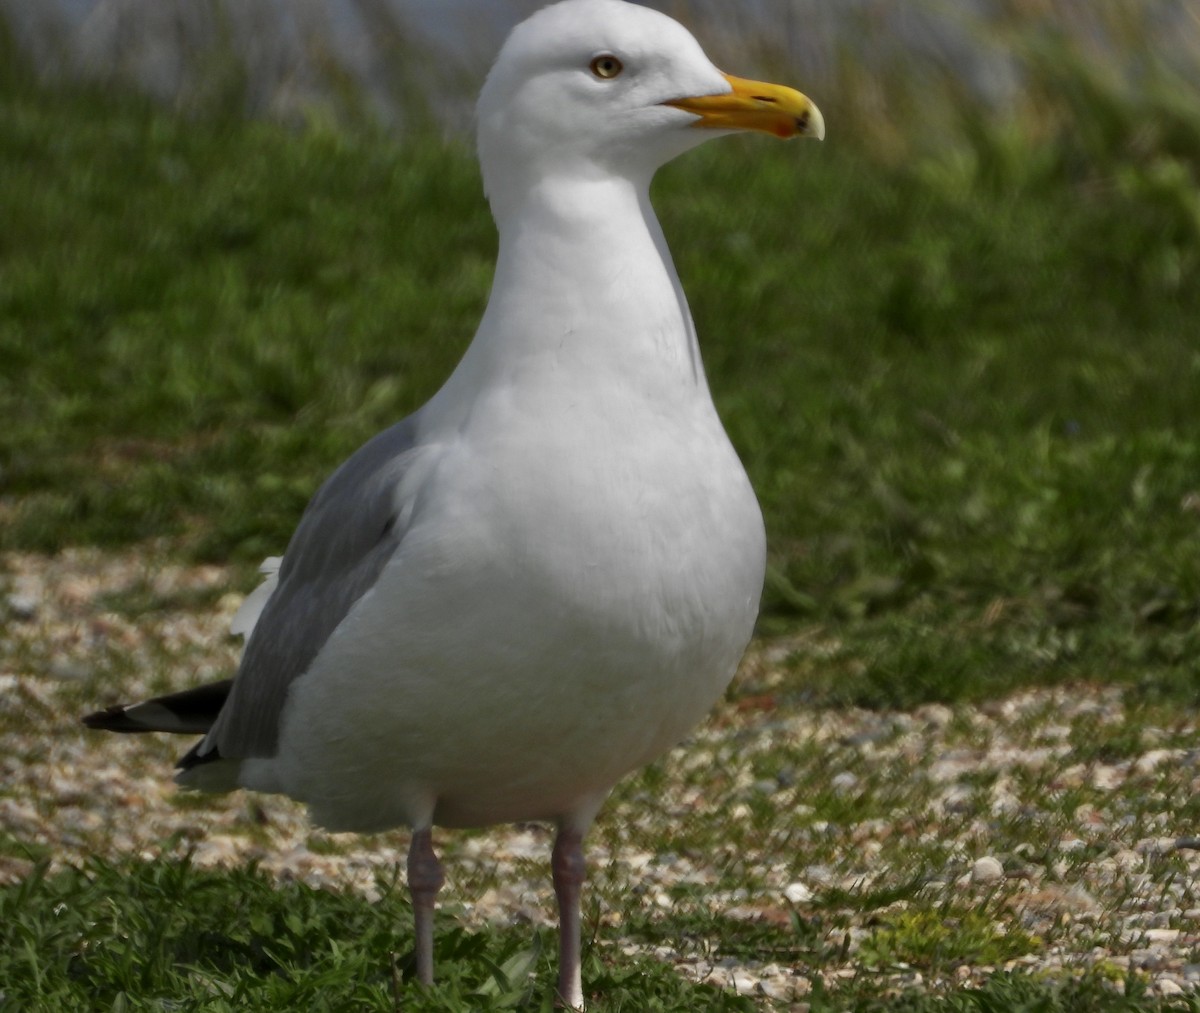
<point x="596" y="88"/>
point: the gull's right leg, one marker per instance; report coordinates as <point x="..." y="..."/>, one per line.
<point x="425" y="879"/>
<point x="569" y="869"/>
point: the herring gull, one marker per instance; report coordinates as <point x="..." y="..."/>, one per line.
<point x="544" y="577"/>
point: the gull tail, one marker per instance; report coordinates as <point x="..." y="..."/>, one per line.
<point x="191" y="711"/>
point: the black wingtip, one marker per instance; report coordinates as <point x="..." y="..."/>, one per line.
<point x="191" y="711"/>
<point x="195" y="758"/>
<point x="112" y="719"/>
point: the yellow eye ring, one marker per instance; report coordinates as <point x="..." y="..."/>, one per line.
<point x="606" y="66"/>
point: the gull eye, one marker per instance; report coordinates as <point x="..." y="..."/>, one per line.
<point x="606" y="66"/>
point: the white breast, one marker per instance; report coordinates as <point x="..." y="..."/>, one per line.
<point x="602" y="614"/>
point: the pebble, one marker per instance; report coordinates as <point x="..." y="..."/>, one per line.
<point x="744" y="984"/>
<point x="797" y="893"/>
<point x="22" y="607"/>
<point x="1145" y="958"/>
<point x="1108" y="778"/>
<point x="1004" y="801"/>
<point x="987" y="870"/>
<point x="777" y="988"/>
<point x="1149" y="762"/>
<point x="844" y="783"/>
<point x="959" y="799"/>
<point x="935" y="715"/>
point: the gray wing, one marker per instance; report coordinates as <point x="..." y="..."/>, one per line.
<point x="348" y="532"/>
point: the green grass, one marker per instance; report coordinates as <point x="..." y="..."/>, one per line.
<point x="166" y="935"/>
<point x="965" y="388"/>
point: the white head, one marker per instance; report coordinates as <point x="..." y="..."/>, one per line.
<point x="604" y="87"/>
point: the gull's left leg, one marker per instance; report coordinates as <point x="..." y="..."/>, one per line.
<point x="569" y="870"/>
<point x="425" y="879"/>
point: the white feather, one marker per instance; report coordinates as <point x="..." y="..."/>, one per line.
<point x="246" y="617"/>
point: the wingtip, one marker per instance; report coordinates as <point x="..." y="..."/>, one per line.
<point x="189" y="712"/>
<point x="111" y="719"/>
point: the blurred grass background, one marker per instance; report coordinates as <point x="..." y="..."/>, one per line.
<point x="956" y="345"/>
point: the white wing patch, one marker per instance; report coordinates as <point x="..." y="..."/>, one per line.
<point x="246" y="617"/>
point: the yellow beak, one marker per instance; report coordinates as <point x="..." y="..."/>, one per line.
<point x="756" y="105"/>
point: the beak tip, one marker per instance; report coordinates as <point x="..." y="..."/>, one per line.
<point x="815" y="127"/>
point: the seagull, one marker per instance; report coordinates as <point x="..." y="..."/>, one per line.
<point x="545" y="577"/>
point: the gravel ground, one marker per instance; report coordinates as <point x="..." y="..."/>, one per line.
<point x="1054" y="818"/>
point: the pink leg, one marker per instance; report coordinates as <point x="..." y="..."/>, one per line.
<point x="425" y="879"/>
<point x="568" y="869"/>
